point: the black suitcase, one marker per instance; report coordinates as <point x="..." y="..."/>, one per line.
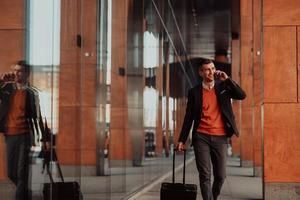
<point x="178" y="191"/>
<point x="60" y="190"/>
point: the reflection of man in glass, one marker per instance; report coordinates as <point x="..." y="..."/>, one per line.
<point x="19" y="113"/>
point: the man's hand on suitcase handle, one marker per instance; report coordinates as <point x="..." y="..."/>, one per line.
<point x="180" y="147"/>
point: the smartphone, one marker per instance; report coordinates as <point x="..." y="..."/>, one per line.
<point x="217" y="76"/>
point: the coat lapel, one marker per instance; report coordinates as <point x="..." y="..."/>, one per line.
<point x="198" y="99"/>
<point x="218" y="90"/>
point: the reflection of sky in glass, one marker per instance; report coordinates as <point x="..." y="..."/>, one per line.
<point x="164" y="104"/>
<point x="151" y="60"/>
<point x="151" y="50"/>
<point x="44" y="32"/>
<point x="46" y="109"/>
<point x="43" y="52"/>
<point x="150" y="106"/>
<point x="47" y="84"/>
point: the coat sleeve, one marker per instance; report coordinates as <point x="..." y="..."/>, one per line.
<point x="234" y="90"/>
<point x="4" y="89"/>
<point x="188" y="119"/>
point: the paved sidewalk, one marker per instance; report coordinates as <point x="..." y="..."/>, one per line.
<point x="119" y="184"/>
<point x="122" y="183"/>
<point x="239" y="185"/>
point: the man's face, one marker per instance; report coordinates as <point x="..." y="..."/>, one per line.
<point x="207" y="72"/>
<point x="21" y="75"/>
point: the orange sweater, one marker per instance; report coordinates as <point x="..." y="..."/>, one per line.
<point x="16" y="121"/>
<point x="211" y="118"/>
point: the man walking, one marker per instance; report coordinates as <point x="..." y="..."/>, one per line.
<point x="19" y="114"/>
<point x="209" y="108"/>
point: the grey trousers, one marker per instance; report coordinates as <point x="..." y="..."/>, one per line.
<point x="210" y="149"/>
<point x="17" y="154"/>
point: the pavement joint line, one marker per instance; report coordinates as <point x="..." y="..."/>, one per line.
<point x="159" y="180"/>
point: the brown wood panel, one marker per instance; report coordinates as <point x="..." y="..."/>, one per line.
<point x="69" y="127"/>
<point x="281" y="142"/>
<point x="88" y="85"/>
<point x="236" y="146"/>
<point x="246" y="38"/>
<point x="89" y="30"/>
<point x="280" y="70"/>
<point x="278" y="12"/>
<point x="257" y="82"/>
<point x="247" y="151"/>
<point x="298" y="64"/>
<point x="88" y="157"/>
<point x="11" y="48"/>
<point x="247" y="135"/>
<point x="236" y="69"/>
<point x="88" y="139"/>
<point x="236" y="142"/>
<point x="3" y="175"/>
<point x="11" y="40"/>
<point x="118" y="60"/>
<point x="76" y="135"/>
<point x="257" y="136"/>
<point x="69" y="79"/>
<point x="235" y="60"/>
<point x="118" y="117"/>
<point x="88" y="127"/>
<point x="68" y="138"/>
<point x="120" y="147"/>
<point x="69" y="56"/>
<point x="77" y="103"/>
<point x="70" y="25"/>
<point x="68" y="156"/>
<point x="76" y="157"/>
<point x="12" y="14"/>
<point x="159" y="83"/>
<point x="257" y="64"/>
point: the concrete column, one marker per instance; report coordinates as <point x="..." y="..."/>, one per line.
<point x="127" y="85"/>
<point x="76" y="139"/>
<point x="236" y="105"/>
<point x="135" y="80"/>
<point x="247" y="84"/>
<point x="257" y="87"/>
<point x="159" y="88"/>
<point x="120" y="147"/>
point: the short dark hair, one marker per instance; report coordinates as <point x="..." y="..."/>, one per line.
<point x="205" y="61"/>
<point x="24" y="64"/>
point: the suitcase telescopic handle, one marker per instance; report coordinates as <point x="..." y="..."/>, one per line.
<point x="173" y="170"/>
<point x="58" y="167"/>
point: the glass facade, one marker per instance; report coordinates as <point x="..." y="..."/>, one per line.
<point x="105" y="92"/>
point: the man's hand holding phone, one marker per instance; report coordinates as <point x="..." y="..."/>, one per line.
<point x="8" y="77"/>
<point x="220" y="75"/>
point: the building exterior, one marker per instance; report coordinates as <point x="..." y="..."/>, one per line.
<point x="111" y="72"/>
